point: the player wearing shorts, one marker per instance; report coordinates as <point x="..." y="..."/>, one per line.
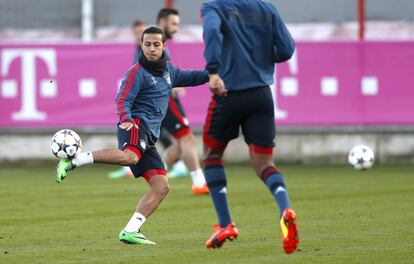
<point x="141" y="103"/>
<point x="243" y="41"/>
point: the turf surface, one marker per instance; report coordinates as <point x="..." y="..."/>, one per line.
<point x="344" y="216"/>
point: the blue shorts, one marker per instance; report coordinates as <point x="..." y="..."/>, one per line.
<point x="251" y="110"/>
<point x="175" y="121"/>
<point x="140" y="141"/>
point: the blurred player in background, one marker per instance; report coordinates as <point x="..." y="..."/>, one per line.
<point x="178" y="169"/>
<point x="142" y="103"/>
<point x="138" y="27"/>
<point x="176" y="122"/>
<point x="243" y="41"/>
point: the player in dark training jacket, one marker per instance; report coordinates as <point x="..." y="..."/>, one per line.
<point x="243" y="41"/>
<point x="141" y="104"/>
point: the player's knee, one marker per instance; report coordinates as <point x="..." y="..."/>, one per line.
<point x="187" y="141"/>
<point x="163" y="189"/>
<point x="174" y="148"/>
<point x="130" y="158"/>
<point x="259" y="165"/>
<point x="211" y="154"/>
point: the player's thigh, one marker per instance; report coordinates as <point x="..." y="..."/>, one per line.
<point x="223" y="119"/>
<point x="259" y="126"/>
<point x="149" y="165"/>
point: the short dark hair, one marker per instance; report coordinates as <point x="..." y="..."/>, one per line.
<point x="138" y="23"/>
<point x="154" y="30"/>
<point x="165" y="13"/>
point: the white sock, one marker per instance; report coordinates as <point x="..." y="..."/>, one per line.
<point x="83" y="158"/>
<point x="198" y="178"/>
<point x="135" y="223"/>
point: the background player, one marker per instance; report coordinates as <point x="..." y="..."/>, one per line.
<point x="176" y="122"/>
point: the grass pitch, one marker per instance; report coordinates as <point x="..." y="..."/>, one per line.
<point x="344" y="216"/>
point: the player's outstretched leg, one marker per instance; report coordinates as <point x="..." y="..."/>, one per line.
<point x="62" y="169"/>
<point x="289" y="230"/>
<point x="105" y="156"/>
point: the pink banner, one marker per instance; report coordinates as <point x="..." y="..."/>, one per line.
<point x="332" y="83"/>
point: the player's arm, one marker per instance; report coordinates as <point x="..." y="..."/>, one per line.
<point x="213" y="38"/>
<point x="283" y="43"/>
<point x="183" y="78"/>
<point x="126" y="96"/>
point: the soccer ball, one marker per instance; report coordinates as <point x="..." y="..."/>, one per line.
<point x="361" y="157"/>
<point x="66" y="144"/>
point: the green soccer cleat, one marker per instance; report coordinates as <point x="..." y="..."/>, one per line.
<point x="134" y="238"/>
<point x="62" y="169"/>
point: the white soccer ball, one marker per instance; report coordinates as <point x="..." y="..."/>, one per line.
<point x="66" y="144"/>
<point x="361" y="157"/>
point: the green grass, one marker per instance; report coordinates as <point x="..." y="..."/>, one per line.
<point x="344" y="216"/>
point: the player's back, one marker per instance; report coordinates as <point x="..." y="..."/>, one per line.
<point x="249" y="50"/>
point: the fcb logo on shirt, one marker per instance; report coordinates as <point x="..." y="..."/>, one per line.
<point x="167" y="78"/>
<point x="143" y="144"/>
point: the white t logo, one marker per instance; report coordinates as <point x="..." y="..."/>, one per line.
<point x="28" y="109"/>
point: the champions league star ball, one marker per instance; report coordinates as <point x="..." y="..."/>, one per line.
<point x="66" y="144"/>
<point x="361" y="157"/>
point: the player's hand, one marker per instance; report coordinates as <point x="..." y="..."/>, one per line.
<point x="127" y="125"/>
<point x="217" y="85"/>
<point x="178" y="92"/>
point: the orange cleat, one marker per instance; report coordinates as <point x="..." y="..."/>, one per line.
<point x="289" y="228"/>
<point x="200" y="190"/>
<point x="221" y="234"/>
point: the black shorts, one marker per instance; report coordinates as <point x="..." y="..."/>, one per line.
<point x="139" y="140"/>
<point x="175" y="121"/>
<point x="251" y="110"/>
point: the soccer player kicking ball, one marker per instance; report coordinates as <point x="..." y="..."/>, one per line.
<point x="244" y="39"/>
<point x="141" y="104"/>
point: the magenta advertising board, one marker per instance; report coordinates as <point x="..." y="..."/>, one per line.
<point x="325" y="83"/>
